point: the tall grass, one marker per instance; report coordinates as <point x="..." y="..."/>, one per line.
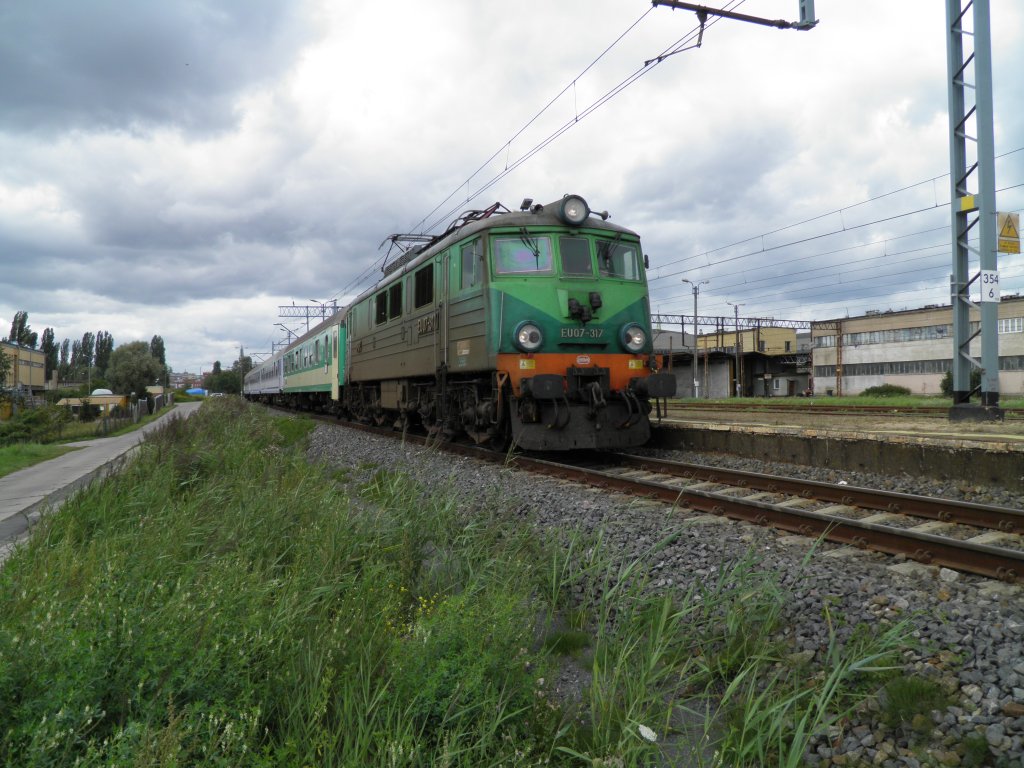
<point x="222" y="602"/>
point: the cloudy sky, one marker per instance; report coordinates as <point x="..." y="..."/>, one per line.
<point x="183" y="168"/>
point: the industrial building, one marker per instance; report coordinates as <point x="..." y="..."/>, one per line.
<point x="911" y="348"/>
<point x="28" y="368"/>
<point x="768" y="362"/>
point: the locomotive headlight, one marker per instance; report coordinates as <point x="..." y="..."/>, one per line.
<point x="573" y="210"/>
<point x="528" y="337"/>
<point x="633" y="338"/>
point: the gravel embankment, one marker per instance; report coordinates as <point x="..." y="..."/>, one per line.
<point x="971" y="630"/>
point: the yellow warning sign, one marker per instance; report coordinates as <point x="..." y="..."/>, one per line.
<point x="1009" y="233"/>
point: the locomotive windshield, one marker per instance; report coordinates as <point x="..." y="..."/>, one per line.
<point x="524" y="254"/>
<point x="618" y="260"/>
<point x="575" y="253"/>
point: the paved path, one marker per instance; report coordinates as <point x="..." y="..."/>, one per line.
<point x="25" y="494"/>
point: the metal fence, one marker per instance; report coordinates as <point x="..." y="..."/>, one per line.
<point x="107" y="424"/>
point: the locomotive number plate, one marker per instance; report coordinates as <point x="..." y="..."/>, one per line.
<point x="581" y="333"/>
<point x="636" y="363"/>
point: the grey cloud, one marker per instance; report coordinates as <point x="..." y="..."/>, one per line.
<point x="115" y="63"/>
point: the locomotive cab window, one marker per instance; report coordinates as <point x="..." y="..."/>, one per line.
<point x="575" y="253"/>
<point x="469" y="257"/>
<point x="380" y="307"/>
<point x="423" y="287"/>
<point x="522" y="255"/>
<point x="618" y="260"/>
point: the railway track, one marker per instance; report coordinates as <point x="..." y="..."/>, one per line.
<point x="982" y="539"/>
<point x="975" y="538"/>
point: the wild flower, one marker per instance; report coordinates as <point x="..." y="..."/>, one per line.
<point x="647" y="733"/>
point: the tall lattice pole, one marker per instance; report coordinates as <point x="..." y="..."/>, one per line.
<point x="972" y="211"/>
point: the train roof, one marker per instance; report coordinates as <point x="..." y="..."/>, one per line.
<point x="419" y="248"/>
<point x="422" y="247"/>
<point x="334" y="319"/>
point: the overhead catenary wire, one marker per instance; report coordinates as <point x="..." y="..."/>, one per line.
<point x="512" y="163"/>
<point x="448" y="214"/>
<point x="614" y="91"/>
<point x="508" y="144"/>
<point x="661" y="277"/>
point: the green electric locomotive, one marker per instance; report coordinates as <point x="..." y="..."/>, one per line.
<point x="529" y="326"/>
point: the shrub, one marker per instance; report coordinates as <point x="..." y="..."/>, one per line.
<point x="886" y="390"/>
<point x="946" y="385"/>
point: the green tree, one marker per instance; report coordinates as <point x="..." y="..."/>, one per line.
<point x="104" y="346"/>
<point x="21" y="333"/>
<point x="243" y="365"/>
<point x="88" y="349"/>
<point x="156" y="349"/>
<point x="132" y="368"/>
<point x="946" y="384"/>
<point x="227" y="381"/>
<point x="76" y="357"/>
<point x="6" y="366"/>
<point x="49" y="348"/>
<point x="64" y="364"/>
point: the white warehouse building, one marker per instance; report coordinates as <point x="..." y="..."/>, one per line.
<point x="910" y="348"/>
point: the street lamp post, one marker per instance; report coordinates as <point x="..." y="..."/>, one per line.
<point x="323" y="309"/>
<point x="287" y="330"/>
<point x="739" y="368"/>
<point x="695" y="285"/>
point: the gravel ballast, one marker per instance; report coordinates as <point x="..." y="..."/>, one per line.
<point x="971" y="630"/>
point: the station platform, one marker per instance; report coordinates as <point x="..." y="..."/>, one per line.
<point x="981" y="452"/>
<point x="28" y="493"/>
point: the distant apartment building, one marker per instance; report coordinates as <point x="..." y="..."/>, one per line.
<point x="911" y="348"/>
<point x="184" y="380"/>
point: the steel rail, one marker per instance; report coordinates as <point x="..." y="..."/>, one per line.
<point x="981" y="559"/>
<point x="1005" y="519"/>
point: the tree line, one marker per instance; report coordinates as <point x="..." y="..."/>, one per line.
<point x="228" y="381"/>
<point x="92" y="361"/>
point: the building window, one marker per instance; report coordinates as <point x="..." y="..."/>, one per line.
<point x="1011" y="325"/>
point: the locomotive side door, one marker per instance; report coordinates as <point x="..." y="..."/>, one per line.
<point x="441" y="337"/>
<point x="335" y="361"/>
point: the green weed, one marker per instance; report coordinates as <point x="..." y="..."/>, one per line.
<point x="904" y="697"/>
